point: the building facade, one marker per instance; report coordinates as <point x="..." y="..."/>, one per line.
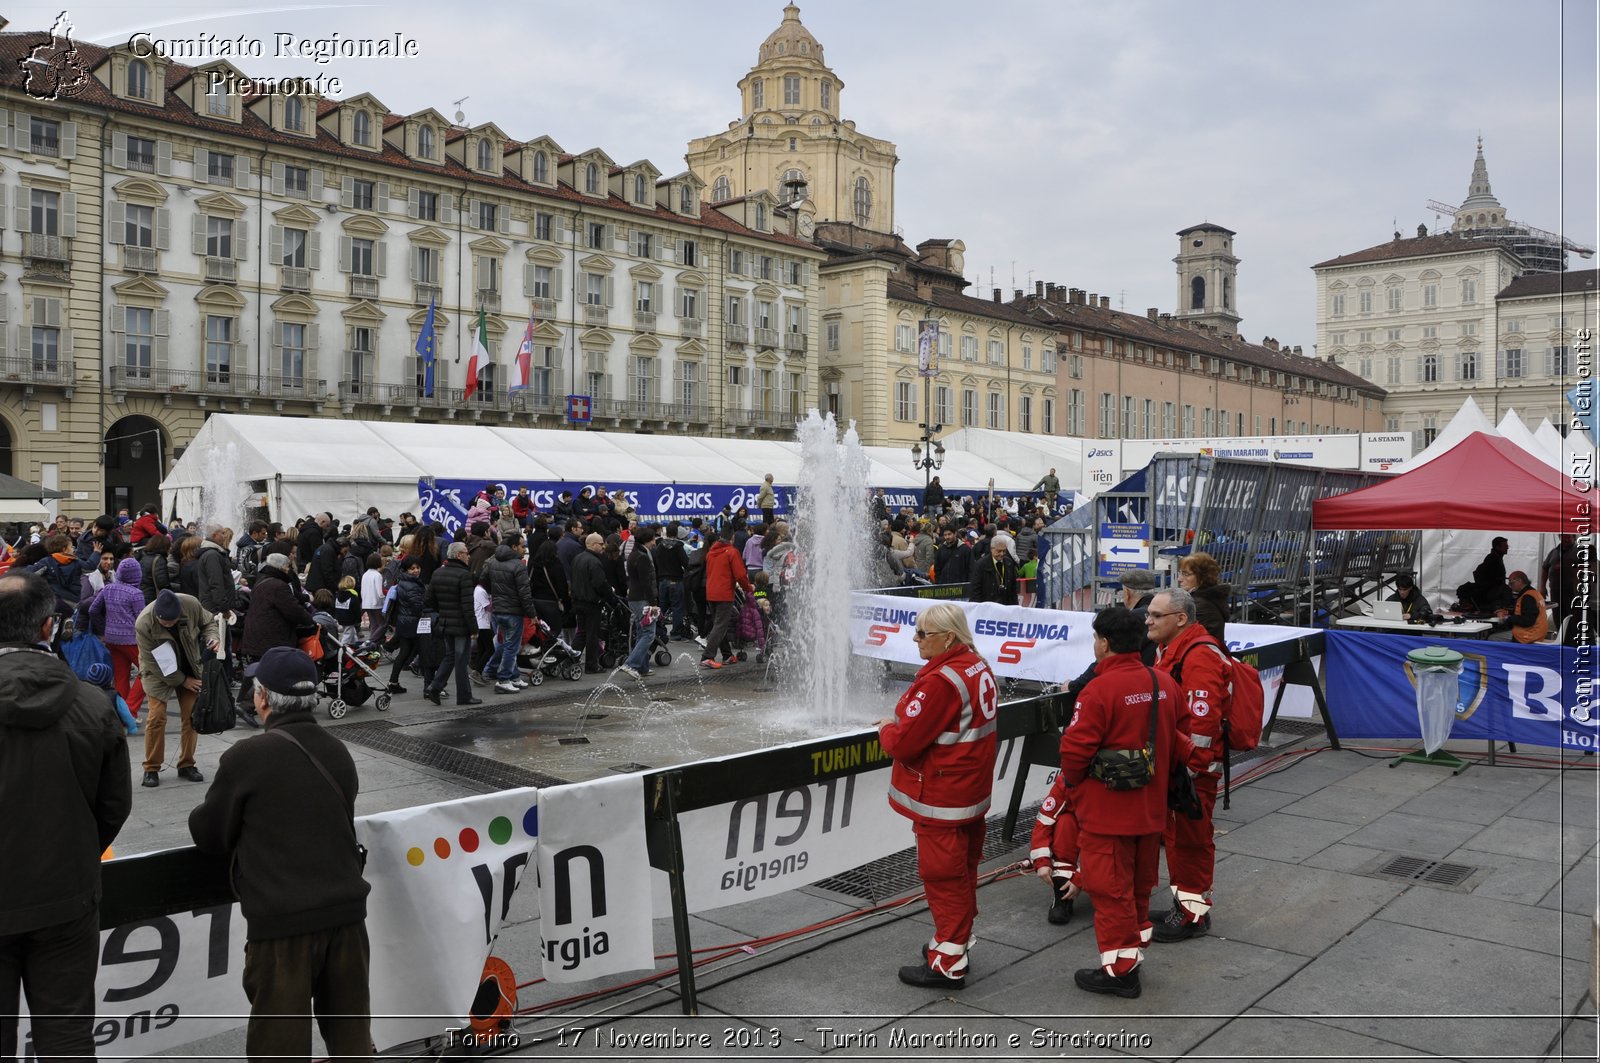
<point x="187" y="242"/>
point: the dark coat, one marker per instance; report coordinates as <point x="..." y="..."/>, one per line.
<point x="548" y="575"/>
<point x="1211" y="609"/>
<point x="323" y="572"/>
<point x="642" y="576"/>
<point x="275" y="616"/>
<point x="158" y="574"/>
<point x="589" y="580"/>
<point x="295" y="866"/>
<point x="480" y="551"/>
<point x="671" y="558"/>
<point x="308" y="542"/>
<point x="509" y="585"/>
<point x="213" y="578"/>
<point x="65" y="786"/>
<point x="410" y="602"/>
<point x="450" y="595"/>
<point x="993" y="582"/>
<point x="952" y="564"/>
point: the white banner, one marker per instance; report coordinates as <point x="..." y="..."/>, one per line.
<point x="1328" y="452"/>
<point x="594" y="881"/>
<point x="786" y="839"/>
<point x="1048" y="645"/>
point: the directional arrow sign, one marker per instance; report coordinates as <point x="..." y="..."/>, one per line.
<point x="1126" y="550"/>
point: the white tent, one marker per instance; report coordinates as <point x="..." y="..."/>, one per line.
<point x="1549" y="437"/>
<point x="1515" y="429"/>
<point x="1030" y="455"/>
<point x="1469" y="419"/>
<point x="299" y="466"/>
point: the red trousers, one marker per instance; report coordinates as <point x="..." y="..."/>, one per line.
<point x="1192" y="851"/>
<point x="125" y="675"/>
<point x="1118" y="872"/>
<point x="947" y="860"/>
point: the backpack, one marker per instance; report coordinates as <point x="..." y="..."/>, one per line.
<point x="1242" y="719"/>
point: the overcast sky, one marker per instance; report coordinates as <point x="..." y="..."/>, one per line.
<point x="1062" y="141"/>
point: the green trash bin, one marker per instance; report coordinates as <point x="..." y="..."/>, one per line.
<point x="1436" y="674"/>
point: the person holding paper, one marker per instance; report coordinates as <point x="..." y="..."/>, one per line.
<point x="171" y="632"/>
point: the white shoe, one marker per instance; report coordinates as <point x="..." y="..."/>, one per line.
<point x="506" y="687"/>
<point x="522" y="683"/>
<point x="629" y="671"/>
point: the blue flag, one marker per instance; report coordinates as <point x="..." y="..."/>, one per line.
<point x="425" y="351"/>
<point x="1582" y="399"/>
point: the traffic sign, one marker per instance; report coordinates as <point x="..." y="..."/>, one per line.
<point x="1123" y="547"/>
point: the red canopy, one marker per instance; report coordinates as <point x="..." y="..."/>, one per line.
<point x="1486" y="483"/>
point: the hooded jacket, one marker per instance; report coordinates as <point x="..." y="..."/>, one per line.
<point x="213" y="574"/>
<point x="276" y="615"/>
<point x="64" y="572"/>
<point x="508" y="584"/>
<point x="65" y="786"/>
<point x="724" y="568"/>
<point x="120" y="604"/>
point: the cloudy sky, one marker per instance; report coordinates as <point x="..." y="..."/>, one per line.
<point x="1062" y="141"/>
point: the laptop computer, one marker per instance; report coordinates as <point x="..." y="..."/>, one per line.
<point x="1387" y="611"/>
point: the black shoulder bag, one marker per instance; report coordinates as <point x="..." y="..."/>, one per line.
<point x="1129" y="769"/>
<point x="361" y="850"/>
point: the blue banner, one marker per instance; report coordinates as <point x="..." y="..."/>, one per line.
<point x="447" y="501"/>
<point x="1537" y="694"/>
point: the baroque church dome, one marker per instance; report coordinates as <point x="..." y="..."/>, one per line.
<point x="790" y="40"/>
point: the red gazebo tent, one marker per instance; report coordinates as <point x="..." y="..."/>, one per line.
<point x="1483" y="482"/>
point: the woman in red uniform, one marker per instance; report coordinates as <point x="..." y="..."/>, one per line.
<point x="942" y="739"/>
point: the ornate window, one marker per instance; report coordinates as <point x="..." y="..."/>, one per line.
<point x="425" y="142"/>
<point x="541" y="168"/>
<point x="361" y="129"/>
<point x="721" y="190"/>
<point x="485" y="155"/>
<point x="139" y="79"/>
<point x="591" y="178"/>
<point x="863" y="201"/>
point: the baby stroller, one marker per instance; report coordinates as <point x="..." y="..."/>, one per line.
<point x="616" y="634"/>
<point x="545" y="652"/>
<point x="350" y="676"/>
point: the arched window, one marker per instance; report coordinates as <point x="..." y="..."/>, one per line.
<point x="425" y="142"/>
<point x="293" y="113"/>
<point x="541" y="167"/>
<point x="686" y="200"/>
<point x="761" y="217"/>
<point x="485" y="154"/>
<point x="758" y="93"/>
<point x="721" y="190"/>
<point x="591" y="178"/>
<point x="863" y="201"/>
<point x="361" y="129"/>
<point x="1197" y="293"/>
<point x="139" y="79"/>
<point x="1227" y="293"/>
<point x="794" y="186"/>
<point x="827" y="95"/>
<point x="639" y="191"/>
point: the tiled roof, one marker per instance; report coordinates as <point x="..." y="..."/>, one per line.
<point x="1411" y="247"/>
<point x="1206" y="227"/>
<point x="15" y="47"/>
<point x="956" y="302"/>
<point x="1178" y="337"/>
<point x="1572" y="282"/>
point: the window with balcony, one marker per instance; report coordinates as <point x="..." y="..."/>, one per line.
<point x="764" y="267"/>
<point x="735" y="314"/>
<point x="488" y="216"/>
<point x="594" y="289"/>
<point x="595" y="235"/>
<point x="997" y="410"/>
<point x="997" y="353"/>
<point x="427" y="266"/>
<point x="969" y="348"/>
<point x="296" y="181"/>
<point x="138" y="343"/>
<point x="360" y="361"/>
<point x="643" y="383"/>
<point x="969" y="408"/>
<point x="217" y="103"/>
<point x="294" y="248"/>
<point x="219" y="168"/>
<point x="44" y="212"/>
<point x="689" y="303"/>
<point x="644" y="297"/>
<point x="543" y="226"/>
<point x="219" y="237"/>
<point x="291" y="361"/>
<point x="688" y="252"/>
<point x="142" y="154"/>
<point x="363" y="258"/>
<point x="45" y="349"/>
<point x="44" y="136"/>
<point x="427" y="206"/>
<point x="139" y="226"/>
<point x="542" y="283"/>
<point x="689" y="391"/>
<point x="765" y="318"/>
<point x="219" y="349"/>
<point x="544" y="374"/>
<point x="905" y="338"/>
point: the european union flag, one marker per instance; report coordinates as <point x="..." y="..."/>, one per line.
<point x="425" y="351"/>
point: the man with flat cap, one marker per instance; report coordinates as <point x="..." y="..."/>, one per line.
<point x="282" y="806"/>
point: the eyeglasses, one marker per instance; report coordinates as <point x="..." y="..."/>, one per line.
<point x="918" y="633"/>
<point x="1151" y="614"/>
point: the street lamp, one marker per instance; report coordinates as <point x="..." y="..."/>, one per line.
<point x="927" y="453"/>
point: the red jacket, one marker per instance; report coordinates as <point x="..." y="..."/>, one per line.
<point x="724" y="568"/>
<point x="943" y="741"/>
<point x="1057" y="805"/>
<point x="1205" y="673"/>
<point x="1113" y="712"/>
<point x="143" y="528"/>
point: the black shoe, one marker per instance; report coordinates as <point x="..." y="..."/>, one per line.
<point x="1060" y="913"/>
<point x="246" y="717"/>
<point x="469" y="701"/>
<point x="396" y="688"/>
<point x="924" y="977"/>
<point x="150" y="779"/>
<point x="1177" y="927"/>
<point x="192" y="774"/>
<point x="1095" y="980"/>
<point x="592" y="670"/>
<point x="431" y="695"/>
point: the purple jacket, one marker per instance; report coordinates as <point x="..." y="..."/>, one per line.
<point x="120" y="603"/>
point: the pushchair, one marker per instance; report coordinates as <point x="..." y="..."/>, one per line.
<point x="350" y="676"/>
<point x="545" y="653"/>
<point x="616" y="635"/>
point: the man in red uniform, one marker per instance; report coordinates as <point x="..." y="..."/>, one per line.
<point x="1119" y="831"/>
<point x="942" y="739"/>
<point x="1200" y="665"/>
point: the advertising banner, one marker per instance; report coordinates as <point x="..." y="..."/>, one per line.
<point x="447" y="501"/>
<point x="790" y="838"/>
<point x="1385" y="451"/>
<point x="1047" y="645"/>
<point x="594" y="896"/>
<point x="1102" y="466"/>
<point x="1535" y="694"/>
<point x="1328" y="452"/>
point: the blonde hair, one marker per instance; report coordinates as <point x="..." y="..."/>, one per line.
<point x="348" y="583"/>
<point x="950" y="619"/>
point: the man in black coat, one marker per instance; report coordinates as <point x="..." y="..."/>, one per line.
<point x="323" y="572"/>
<point x="671" y="562"/>
<point x="994" y="578"/>
<point x="311" y="536"/>
<point x="1489" y="578"/>
<point x="276" y="617"/>
<point x="450" y="597"/>
<point x="512" y="598"/>
<point x="590" y="586"/>
<point x="65" y="782"/>
<point x="952" y="561"/>
<point x="282" y="807"/>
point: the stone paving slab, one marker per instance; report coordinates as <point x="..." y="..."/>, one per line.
<point x="1288" y="838"/>
<point x="1292" y="908"/>
<point x="1510" y="878"/>
<point x="1558" y="806"/>
<point x="1314" y="773"/>
<point x="1462" y="805"/>
<point x="1381" y="977"/>
<point x="1263" y="1034"/>
<point x="1577" y="1040"/>
<point x="1576" y="890"/>
<point x="1342" y="857"/>
<point x="1532" y="839"/>
<point x="1252" y="802"/>
<point x="1400" y="833"/>
<point x="1346" y="803"/>
<point x="1518" y="925"/>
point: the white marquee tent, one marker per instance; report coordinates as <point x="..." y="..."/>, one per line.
<point x="299" y="466"/>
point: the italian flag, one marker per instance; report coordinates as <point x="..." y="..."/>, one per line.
<point x="480" y="349"/>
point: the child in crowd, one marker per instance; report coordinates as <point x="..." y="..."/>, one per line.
<point x="1054" y="850"/>
<point x="347" y="609"/>
<point x="99" y="675"/>
<point x="753" y="613"/>
<point x="483" y="612"/>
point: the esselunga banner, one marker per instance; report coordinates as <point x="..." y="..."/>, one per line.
<point x="787" y="839"/>
<point x="1508" y="692"/>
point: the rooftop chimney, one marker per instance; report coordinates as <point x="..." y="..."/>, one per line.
<point x="1152" y="313"/>
<point x="1105" y="302"/>
<point x="1018" y="295"/>
<point x="1094" y="300"/>
<point x="1166" y="319"/>
<point x="1297" y="349"/>
<point x="1076" y="295"/>
<point x="1061" y="294"/>
<point x="1038" y="289"/>
<point x="997" y="295"/>
<point x="1422" y="230"/>
<point x="1049" y="291"/>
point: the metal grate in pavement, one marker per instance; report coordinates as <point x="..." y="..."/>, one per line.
<point x="896" y="873"/>
<point x="383" y="736"/>
<point x="1422" y="869"/>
